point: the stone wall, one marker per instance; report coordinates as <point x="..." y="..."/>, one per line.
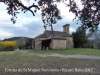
<point x="33" y="44"/>
<point x="38" y="42"/>
<point x="59" y="44"/>
<point x="69" y="42"/>
<point x="51" y="44"/>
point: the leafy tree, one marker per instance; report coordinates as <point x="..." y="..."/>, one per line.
<point x="89" y="15"/>
<point x="79" y="37"/>
<point x="95" y="37"/>
<point x="21" y="42"/>
<point x="29" y="44"/>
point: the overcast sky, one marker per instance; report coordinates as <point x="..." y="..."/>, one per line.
<point x="30" y="26"/>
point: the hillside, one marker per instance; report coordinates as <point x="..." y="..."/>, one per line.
<point x="22" y="42"/>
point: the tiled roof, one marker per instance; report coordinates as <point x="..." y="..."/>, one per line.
<point x="53" y="34"/>
<point x="41" y="36"/>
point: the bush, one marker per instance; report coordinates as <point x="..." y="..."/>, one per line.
<point x="1" y="48"/>
<point x="7" y="45"/>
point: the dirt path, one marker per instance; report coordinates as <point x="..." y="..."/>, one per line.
<point x="71" y="56"/>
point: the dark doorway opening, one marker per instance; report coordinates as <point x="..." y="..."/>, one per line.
<point x="46" y="44"/>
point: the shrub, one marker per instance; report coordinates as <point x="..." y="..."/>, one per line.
<point x="1" y="48"/>
<point x="8" y="45"/>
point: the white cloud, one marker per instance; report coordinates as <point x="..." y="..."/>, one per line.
<point x="4" y="34"/>
<point x="65" y="12"/>
<point x="3" y="6"/>
<point x="22" y="21"/>
<point x="34" y="33"/>
<point x="5" y="23"/>
<point x="38" y="32"/>
<point x="22" y="28"/>
<point x="4" y="17"/>
<point x="26" y="2"/>
<point x="26" y="19"/>
<point x="72" y="29"/>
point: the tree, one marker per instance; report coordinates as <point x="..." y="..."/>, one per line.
<point x="21" y="42"/>
<point x="95" y="38"/>
<point x="29" y="44"/>
<point x="89" y="15"/>
<point x="79" y="37"/>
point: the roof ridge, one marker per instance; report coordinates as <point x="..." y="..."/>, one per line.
<point x="56" y="34"/>
<point x="56" y="31"/>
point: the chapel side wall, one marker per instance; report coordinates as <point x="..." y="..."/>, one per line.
<point x="51" y="44"/>
<point x="69" y="42"/>
<point x="59" y="44"/>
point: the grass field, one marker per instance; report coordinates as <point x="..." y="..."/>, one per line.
<point x="24" y="59"/>
<point x="70" y="51"/>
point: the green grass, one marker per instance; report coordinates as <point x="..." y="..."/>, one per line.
<point x="29" y="59"/>
<point x="70" y="51"/>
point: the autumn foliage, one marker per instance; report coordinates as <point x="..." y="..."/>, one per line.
<point x="8" y="45"/>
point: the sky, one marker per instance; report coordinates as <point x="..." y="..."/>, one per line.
<point x="29" y="26"/>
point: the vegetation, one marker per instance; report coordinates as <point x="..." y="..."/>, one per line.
<point x="79" y="38"/>
<point x="94" y="39"/>
<point x="86" y="40"/>
<point x="22" y="42"/>
<point x="88" y="14"/>
<point x="29" y="59"/>
<point x="69" y="51"/>
<point x="16" y="42"/>
<point x="7" y="45"/>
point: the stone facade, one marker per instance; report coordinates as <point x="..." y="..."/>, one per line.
<point x="55" y="39"/>
<point x="69" y="42"/>
<point x="59" y="44"/>
<point x="38" y="42"/>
